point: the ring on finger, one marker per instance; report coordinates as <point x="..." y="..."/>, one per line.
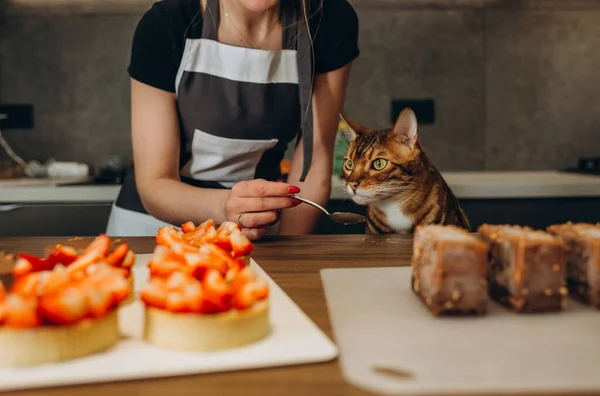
<point x="239" y="220"/>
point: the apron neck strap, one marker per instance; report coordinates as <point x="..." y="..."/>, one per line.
<point x="305" y="79"/>
<point x="210" y="20"/>
<point x="293" y="19"/>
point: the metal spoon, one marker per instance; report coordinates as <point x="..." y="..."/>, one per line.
<point x="345" y="218"/>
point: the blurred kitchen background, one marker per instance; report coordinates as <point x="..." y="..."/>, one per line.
<point x="507" y="93"/>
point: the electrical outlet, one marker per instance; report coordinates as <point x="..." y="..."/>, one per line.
<point x="424" y="109"/>
<point x="16" y="116"/>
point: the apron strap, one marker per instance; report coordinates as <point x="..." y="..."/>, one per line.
<point x="210" y="20"/>
<point x="305" y="67"/>
<point x="305" y="77"/>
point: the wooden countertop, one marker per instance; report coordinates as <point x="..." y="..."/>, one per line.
<point x="292" y="262"/>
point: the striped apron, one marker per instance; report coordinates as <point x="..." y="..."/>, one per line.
<point x="239" y="108"/>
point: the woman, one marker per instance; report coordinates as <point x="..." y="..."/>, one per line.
<point x="219" y="88"/>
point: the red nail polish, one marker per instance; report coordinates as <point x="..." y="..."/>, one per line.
<point x="296" y="201"/>
<point x="293" y="189"/>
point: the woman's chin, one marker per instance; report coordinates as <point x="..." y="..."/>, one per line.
<point x="258" y="5"/>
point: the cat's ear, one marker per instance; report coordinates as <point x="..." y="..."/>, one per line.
<point x="406" y="127"/>
<point x="350" y="129"/>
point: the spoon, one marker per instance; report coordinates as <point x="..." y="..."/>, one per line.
<point x="345" y="218"/>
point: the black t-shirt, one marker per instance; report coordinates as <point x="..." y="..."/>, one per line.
<point x="159" y="39"/>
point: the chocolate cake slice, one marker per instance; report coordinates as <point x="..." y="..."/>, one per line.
<point x="583" y="259"/>
<point x="526" y="268"/>
<point x="448" y="270"/>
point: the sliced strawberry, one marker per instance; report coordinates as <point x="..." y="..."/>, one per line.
<point x="240" y="245"/>
<point x="188" y="226"/>
<point x="223" y="242"/>
<point x="99" y="302"/>
<point x="176" y="302"/>
<point x="203" y="261"/>
<point x="154" y="293"/>
<point x="37" y="263"/>
<point x="22" y="267"/>
<point x="246" y="275"/>
<point x="228" y="227"/>
<point x="160" y="252"/>
<point x="216" y="290"/>
<point x="100" y="244"/>
<point x="168" y="235"/>
<point x="55" y="280"/>
<point x="106" y="277"/>
<point x="184" y="293"/>
<point x="21" y="312"/>
<point x="66" y="307"/>
<point x="208" y="224"/>
<point x="2" y="312"/>
<point x="165" y="268"/>
<point x="219" y="258"/>
<point x="125" y="272"/>
<point x="183" y="248"/>
<point x="27" y="286"/>
<point x="192" y="292"/>
<point x="165" y="261"/>
<point x="210" y="236"/>
<point x="61" y="254"/>
<point x="116" y="257"/>
<point x="204" y="232"/>
<point x="2" y="292"/>
<point x="261" y="289"/>
<point x="85" y="260"/>
<point x="120" y="289"/>
<point x="245" y="296"/>
<point x="208" y="307"/>
<point x="175" y="281"/>
<point x="129" y="260"/>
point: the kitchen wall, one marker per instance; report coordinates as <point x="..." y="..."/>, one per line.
<point x="515" y="81"/>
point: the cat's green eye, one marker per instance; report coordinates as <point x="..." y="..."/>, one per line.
<point x="379" y="164"/>
<point x="348" y="164"/>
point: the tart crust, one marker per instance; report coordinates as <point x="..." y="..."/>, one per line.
<point x="210" y="332"/>
<point x="50" y="344"/>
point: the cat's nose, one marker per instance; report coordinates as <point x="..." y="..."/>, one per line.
<point x="353" y="186"/>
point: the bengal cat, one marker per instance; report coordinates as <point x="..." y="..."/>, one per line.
<point x="388" y="171"/>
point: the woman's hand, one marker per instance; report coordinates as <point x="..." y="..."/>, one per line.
<point x="255" y="205"/>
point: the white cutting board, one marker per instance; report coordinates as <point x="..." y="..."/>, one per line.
<point x="378" y="321"/>
<point x="294" y="339"/>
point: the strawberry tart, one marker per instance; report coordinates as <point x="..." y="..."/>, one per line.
<point x="54" y="311"/>
<point x="202" y="294"/>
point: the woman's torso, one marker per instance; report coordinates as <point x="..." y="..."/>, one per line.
<point x="238" y="107"/>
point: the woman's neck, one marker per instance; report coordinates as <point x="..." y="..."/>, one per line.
<point x="253" y="23"/>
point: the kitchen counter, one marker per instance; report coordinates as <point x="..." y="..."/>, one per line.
<point x="294" y="264"/>
<point x="466" y="185"/>
<point x="59" y="194"/>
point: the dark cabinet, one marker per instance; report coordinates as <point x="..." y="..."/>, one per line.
<point x="53" y="219"/>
